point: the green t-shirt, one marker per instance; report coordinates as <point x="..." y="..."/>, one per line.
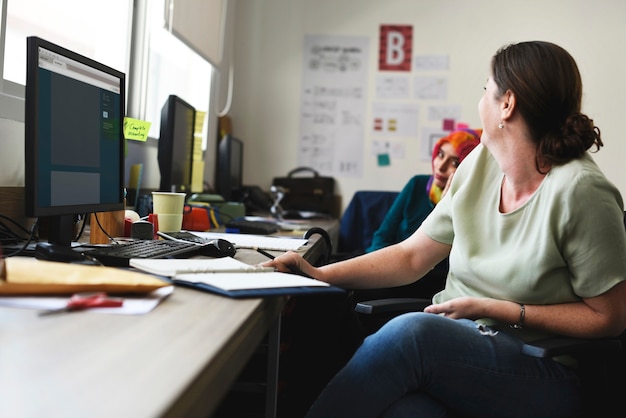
<point x="566" y="242"/>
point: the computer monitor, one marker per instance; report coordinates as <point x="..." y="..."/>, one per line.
<point x="74" y="143"/>
<point x="175" y="154"/>
<point x="229" y="167"/>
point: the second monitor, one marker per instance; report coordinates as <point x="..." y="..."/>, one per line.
<point x="175" y="155"/>
<point x="229" y="167"/>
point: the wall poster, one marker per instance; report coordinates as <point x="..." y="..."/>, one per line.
<point x="333" y="107"/>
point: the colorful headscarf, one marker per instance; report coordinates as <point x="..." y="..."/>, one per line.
<point x="463" y="141"/>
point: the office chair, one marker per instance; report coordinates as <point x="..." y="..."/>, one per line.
<point x="360" y="220"/>
<point x="601" y="362"/>
<point x="601" y="367"/>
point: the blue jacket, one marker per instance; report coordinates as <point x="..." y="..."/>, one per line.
<point x="406" y="214"/>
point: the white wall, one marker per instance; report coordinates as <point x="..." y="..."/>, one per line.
<point x="267" y="56"/>
<point x="11" y="153"/>
<point x="269" y="36"/>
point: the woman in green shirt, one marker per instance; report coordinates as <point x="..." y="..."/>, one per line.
<point x="535" y="236"/>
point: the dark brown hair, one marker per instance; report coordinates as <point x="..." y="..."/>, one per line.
<point x="547" y="85"/>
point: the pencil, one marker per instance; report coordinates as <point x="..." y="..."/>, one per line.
<point x="294" y="270"/>
<point x="265" y="253"/>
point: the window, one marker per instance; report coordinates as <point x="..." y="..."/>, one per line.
<point x="65" y="22"/>
<point x="173" y="68"/>
<point x="102" y="31"/>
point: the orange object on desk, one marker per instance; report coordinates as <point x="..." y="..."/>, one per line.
<point x="196" y="219"/>
<point x="153" y="218"/>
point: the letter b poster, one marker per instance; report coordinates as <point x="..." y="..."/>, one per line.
<point x="396" y="45"/>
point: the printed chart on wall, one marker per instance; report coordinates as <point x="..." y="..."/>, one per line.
<point x="334" y="98"/>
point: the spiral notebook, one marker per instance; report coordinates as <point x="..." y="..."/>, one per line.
<point x="233" y="278"/>
<point x="172" y="267"/>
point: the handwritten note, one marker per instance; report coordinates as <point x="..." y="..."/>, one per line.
<point x="136" y="129"/>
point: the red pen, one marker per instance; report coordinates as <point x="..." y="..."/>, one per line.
<point x="81" y="301"/>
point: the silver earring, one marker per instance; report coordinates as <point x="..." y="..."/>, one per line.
<point x="501" y="125"/>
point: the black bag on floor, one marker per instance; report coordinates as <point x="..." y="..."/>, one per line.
<point x="313" y="193"/>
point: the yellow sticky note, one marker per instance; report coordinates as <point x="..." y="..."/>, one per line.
<point x="199" y="122"/>
<point x="136" y="129"/>
<point x="197" y="176"/>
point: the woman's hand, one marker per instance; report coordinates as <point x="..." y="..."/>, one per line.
<point x="600" y="316"/>
<point x="292" y="262"/>
<point x="463" y="307"/>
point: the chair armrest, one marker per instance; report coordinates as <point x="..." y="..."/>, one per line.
<point x="370" y="307"/>
<point x="556" y="346"/>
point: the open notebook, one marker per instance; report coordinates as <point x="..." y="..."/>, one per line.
<point x="233" y="278"/>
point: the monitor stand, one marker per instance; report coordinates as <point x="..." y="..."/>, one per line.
<point x="60" y="236"/>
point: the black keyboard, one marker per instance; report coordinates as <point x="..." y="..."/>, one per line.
<point x="246" y="226"/>
<point x="118" y="255"/>
<point x="184" y="236"/>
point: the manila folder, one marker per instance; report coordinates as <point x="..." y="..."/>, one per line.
<point x="29" y="276"/>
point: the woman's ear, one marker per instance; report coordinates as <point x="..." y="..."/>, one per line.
<point x="508" y="104"/>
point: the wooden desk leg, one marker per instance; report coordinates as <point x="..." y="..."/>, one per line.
<point x="271" y="392"/>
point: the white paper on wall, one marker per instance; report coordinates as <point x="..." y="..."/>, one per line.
<point x="334" y="97"/>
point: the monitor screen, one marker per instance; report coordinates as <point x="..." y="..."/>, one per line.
<point x="175" y="153"/>
<point x="74" y="143"/>
<point x="229" y="167"/>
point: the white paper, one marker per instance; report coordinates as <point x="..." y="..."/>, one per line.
<point x="257" y="241"/>
<point x="133" y="305"/>
<point x="395" y="149"/>
<point x="441" y="112"/>
<point x="333" y="104"/>
<point x="431" y="62"/>
<point x="395" y="119"/>
<point x="430" y="137"/>
<point x="392" y="86"/>
<point x="430" y="88"/>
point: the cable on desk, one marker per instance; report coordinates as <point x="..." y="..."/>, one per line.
<point x="32" y="235"/>
<point x="95" y="214"/>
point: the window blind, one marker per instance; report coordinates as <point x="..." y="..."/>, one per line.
<point x="199" y="24"/>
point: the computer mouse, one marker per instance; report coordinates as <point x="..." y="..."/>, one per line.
<point x="217" y="248"/>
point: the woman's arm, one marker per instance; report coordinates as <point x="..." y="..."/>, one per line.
<point x="396" y="265"/>
<point x="600" y="316"/>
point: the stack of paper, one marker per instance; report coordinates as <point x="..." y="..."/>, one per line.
<point x="266" y="242"/>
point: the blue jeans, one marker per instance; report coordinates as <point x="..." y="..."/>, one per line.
<point x="426" y="365"/>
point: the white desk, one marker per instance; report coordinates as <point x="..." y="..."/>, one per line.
<point x="177" y="361"/>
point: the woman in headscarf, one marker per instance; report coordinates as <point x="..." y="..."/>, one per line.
<point x="420" y="195"/>
<point x="414" y="203"/>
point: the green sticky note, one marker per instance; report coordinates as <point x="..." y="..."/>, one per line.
<point x="383" y="159"/>
<point x="136" y="129"/>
